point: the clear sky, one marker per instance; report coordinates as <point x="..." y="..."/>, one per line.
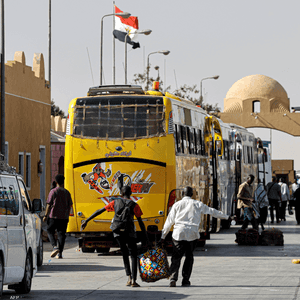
<point x="232" y="38"/>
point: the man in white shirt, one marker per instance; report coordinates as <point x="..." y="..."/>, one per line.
<point x="285" y="197"/>
<point x="185" y="215"/>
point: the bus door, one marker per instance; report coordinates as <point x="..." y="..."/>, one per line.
<point x="214" y="142"/>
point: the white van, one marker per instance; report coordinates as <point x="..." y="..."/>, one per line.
<point x="21" y="244"/>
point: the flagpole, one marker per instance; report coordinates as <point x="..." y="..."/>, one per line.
<point x="114" y="49"/>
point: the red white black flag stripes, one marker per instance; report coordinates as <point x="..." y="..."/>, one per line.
<point x="123" y="26"/>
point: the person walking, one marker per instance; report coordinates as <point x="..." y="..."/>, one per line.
<point x="262" y="203"/>
<point x="274" y="196"/>
<point x="296" y="195"/>
<point x="126" y="237"/>
<point x="292" y="197"/>
<point x="284" y="198"/>
<point x="245" y="200"/>
<point x="185" y="215"/>
<point x="57" y="213"/>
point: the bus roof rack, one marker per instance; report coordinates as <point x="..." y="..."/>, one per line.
<point x="115" y="89"/>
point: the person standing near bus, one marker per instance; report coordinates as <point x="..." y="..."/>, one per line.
<point x="274" y="196"/>
<point x="284" y="198"/>
<point x="57" y="213"/>
<point x="262" y="203"/>
<point x="296" y="195"/>
<point x="125" y="238"/>
<point x="185" y="215"/>
<point x="245" y="200"/>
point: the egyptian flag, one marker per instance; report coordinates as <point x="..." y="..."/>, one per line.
<point x="123" y="26"/>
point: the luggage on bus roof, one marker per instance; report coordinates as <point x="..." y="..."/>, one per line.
<point x="115" y="89"/>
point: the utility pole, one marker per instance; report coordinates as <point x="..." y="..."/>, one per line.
<point x="49" y="50"/>
<point x="2" y="82"/>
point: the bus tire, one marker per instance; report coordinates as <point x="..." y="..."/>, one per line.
<point x="87" y="250"/>
<point x="102" y="250"/>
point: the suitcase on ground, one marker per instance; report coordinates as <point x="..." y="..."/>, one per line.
<point x="272" y="237"/>
<point x="247" y="237"/>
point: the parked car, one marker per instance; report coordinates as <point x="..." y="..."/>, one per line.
<point x="21" y="244"/>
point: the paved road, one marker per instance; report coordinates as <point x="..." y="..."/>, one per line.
<point x="222" y="270"/>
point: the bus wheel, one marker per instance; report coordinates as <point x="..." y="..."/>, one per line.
<point x="102" y="250"/>
<point x="87" y="250"/>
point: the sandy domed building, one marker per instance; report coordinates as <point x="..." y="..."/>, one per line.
<point x="260" y="101"/>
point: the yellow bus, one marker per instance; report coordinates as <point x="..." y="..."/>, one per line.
<point x="122" y="135"/>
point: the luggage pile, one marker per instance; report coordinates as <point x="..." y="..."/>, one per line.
<point x="272" y="237"/>
<point x="251" y="237"/>
<point x="153" y="265"/>
<point x="247" y="237"/>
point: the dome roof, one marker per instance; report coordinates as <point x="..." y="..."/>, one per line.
<point x="257" y="86"/>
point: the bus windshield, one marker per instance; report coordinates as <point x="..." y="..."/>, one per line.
<point x="119" y="117"/>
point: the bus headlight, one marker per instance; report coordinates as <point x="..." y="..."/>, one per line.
<point x="156" y="221"/>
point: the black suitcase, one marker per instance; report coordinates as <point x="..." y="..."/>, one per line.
<point x="272" y="237"/>
<point x="247" y="237"/>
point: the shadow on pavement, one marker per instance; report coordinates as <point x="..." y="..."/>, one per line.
<point x="53" y="267"/>
<point x="129" y="293"/>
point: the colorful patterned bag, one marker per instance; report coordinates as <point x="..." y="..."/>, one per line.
<point x="153" y="265"/>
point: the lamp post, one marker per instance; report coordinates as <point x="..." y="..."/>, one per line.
<point x="164" y="52"/>
<point x="124" y="15"/>
<point x="145" y="32"/>
<point x="213" y="77"/>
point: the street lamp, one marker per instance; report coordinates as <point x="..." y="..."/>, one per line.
<point x="124" y="15"/>
<point x="145" y="32"/>
<point x="213" y="77"/>
<point x="164" y="52"/>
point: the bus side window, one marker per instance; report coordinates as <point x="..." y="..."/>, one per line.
<point x="177" y="138"/>
<point x="202" y="143"/>
<point x="249" y="155"/>
<point x="191" y="140"/>
<point x="198" y="141"/>
<point x="194" y="133"/>
<point x="184" y="139"/>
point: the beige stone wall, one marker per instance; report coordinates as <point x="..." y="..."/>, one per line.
<point x="58" y="123"/>
<point x="283" y="167"/>
<point x="27" y="105"/>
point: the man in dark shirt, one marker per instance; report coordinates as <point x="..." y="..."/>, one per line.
<point x="57" y="213"/>
<point x="125" y="238"/>
<point x="296" y="196"/>
<point x="274" y="196"/>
